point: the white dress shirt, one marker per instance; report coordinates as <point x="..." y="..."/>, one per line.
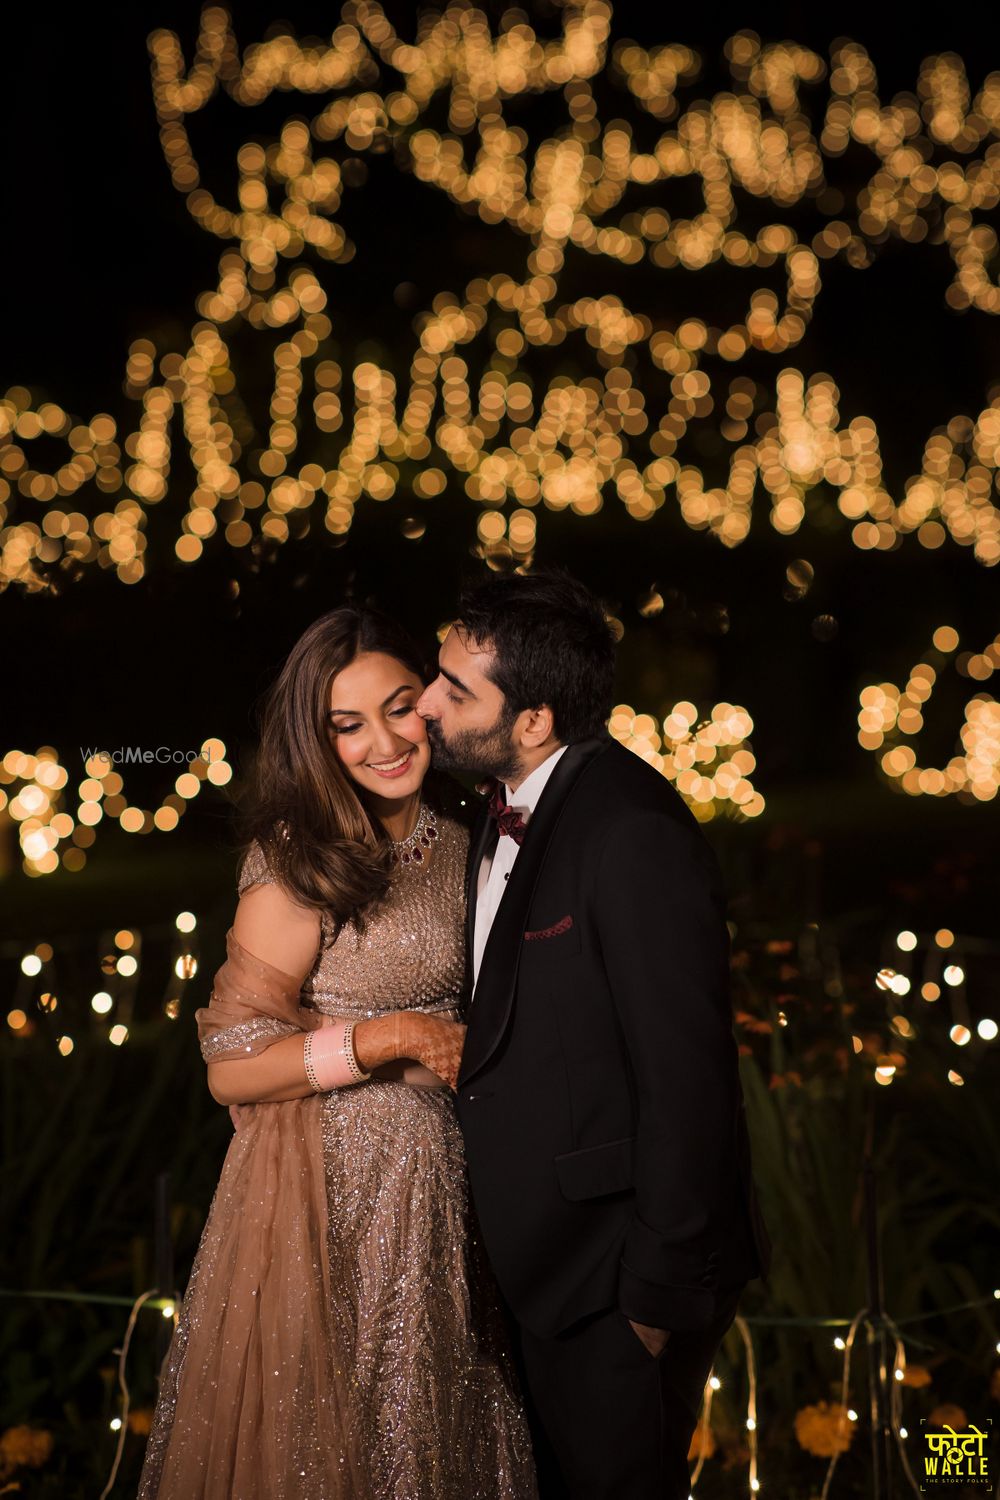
<point x="493" y="873"/>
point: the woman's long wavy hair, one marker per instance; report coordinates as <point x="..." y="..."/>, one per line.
<point x="305" y="810"/>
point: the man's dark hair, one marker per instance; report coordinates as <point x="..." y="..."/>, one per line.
<point x="551" y="643"/>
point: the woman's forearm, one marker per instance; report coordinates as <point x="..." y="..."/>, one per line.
<point x="279" y="1072"/>
<point x="380" y="1042"/>
<point x="276" y="1074"/>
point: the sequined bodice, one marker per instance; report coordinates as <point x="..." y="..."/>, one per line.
<point x="411" y="954"/>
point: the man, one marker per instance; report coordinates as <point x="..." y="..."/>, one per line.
<point x="599" y="1093"/>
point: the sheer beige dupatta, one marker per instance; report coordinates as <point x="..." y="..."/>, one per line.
<point x="254" y="1398"/>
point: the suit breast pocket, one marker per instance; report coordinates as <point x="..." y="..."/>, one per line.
<point x="557" y="939"/>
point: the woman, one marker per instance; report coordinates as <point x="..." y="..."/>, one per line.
<point x="340" y="1337"/>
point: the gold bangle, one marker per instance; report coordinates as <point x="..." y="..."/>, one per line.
<point x="310" y="1066"/>
<point x="351" y="1056"/>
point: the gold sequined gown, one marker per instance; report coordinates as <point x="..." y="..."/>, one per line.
<point x="340" y="1337"/>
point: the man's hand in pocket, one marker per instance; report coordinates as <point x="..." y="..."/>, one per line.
<point x="655" y="1339"/>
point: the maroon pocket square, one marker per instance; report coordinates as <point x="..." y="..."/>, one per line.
<point x="563" y="925"/>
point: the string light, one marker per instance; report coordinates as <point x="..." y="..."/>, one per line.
<point x="889" y="716"/>
<point x="502" y="434"/>
<point x="51" y="837"/>
<point x="708" y="760"/>
<point x="962" y="1030"/>
<point x="678" y="747"/>
<point x="170" y="1309"/>
<point x="125" y="967"/>
<point x="119" y="1423"/>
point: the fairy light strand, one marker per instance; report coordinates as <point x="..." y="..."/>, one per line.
<point x="890" y="718"/>
<point x="123" y="1387"/>
<point x="34" y="787"/>
<point x="473" y="413"/>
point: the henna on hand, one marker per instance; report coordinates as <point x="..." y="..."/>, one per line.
<point x="431" y="1040"/>
<point x="435" y="1042"/>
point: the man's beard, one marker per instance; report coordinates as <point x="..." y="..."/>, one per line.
<point x="484" y="752"/>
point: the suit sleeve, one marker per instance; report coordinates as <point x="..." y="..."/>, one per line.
<point x="665" y="945"/>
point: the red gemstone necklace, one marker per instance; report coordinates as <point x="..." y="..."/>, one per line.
<point x="410" y="851"/>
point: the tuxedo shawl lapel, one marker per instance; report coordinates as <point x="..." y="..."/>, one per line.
<point x="494" y="993"/>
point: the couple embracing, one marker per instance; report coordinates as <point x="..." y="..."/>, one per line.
<point x="488" y="1210"/>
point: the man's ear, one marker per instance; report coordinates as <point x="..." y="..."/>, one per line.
<point x="539" y="726"/>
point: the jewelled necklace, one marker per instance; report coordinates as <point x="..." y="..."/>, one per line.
<point x="410" y="851"/>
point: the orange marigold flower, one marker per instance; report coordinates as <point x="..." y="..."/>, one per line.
<point x="25" y="1447"/>
<point x="702" y="1442"/>
<point x="824" y="1429"/>
<point x="735" y="1454"/>
<point x="141" y="1420"/>
<point x="916" y="1375"/>
<point x="948" y="1415"/>
<point x="753" y="1023"/>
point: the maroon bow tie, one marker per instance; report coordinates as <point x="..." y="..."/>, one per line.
<point x="507" y="820"/>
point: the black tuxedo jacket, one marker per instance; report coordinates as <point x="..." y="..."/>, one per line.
<point x="599" y="1093"/>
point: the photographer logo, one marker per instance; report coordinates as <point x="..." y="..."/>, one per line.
<point x="953" y="1458"/>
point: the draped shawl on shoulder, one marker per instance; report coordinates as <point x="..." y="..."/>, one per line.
<point x="253" y="1402"/>
<point x="252" y="1005"/>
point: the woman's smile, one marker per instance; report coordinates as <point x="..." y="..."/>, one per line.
<point x="394" y="768"/>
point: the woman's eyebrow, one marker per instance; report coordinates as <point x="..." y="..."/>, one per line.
<point x="407" y="687"/>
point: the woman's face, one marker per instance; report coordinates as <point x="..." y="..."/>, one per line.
<point x="375" y="727"/>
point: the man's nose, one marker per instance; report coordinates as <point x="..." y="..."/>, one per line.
<point x="425" y="706"/>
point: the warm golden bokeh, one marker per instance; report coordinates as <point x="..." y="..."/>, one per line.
<point x="889" y="716"/>
<point x="32" y="794"/>
<point x="709" y="761"/>
<point x="473" y="412"/>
